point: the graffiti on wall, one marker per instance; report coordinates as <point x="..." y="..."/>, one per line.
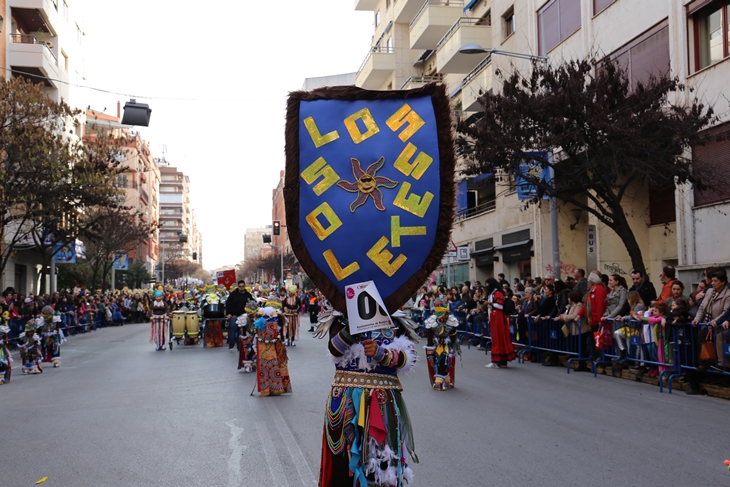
<point x="565" y="269"/>
<point x="614" y="269"/>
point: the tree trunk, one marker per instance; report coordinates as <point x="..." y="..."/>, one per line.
<point x="626" y="234"/>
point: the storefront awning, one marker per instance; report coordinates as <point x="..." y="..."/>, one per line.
<point x="513" y="245"/>
<point x="470" y="5"/>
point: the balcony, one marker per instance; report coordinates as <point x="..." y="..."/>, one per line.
<point x="36" y="15"/>
<point x="378" y="66"/>
<point x="478" y="81"/>
<point x="418" y="81"/>
<point x="27" y="55"/>
<point x="366" y="4"/>
<point x="406" y="10"/>
<point x="477" y="210"/>
<point x="433" y="21"/>
<point x="464" y="31"/>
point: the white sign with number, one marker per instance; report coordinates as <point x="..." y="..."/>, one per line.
<point x="365" y="308"/>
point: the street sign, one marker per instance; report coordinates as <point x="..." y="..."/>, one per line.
<point x="463" y="254"/>
<point x="451" y="249"/>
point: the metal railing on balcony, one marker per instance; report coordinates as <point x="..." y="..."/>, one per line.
<point x="457" y="25"/>
<point x="435" y="3"/>
<point x="477" y="69"/>
<point x="423" y="79"/>
<point x="31" y="39"/>
<point x="477" y="210"/>
<point x="376" y="49"/>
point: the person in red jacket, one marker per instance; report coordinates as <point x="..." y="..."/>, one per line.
<point x="595" y="305"/>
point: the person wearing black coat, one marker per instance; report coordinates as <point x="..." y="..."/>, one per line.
<point x="235" y="307"/>
<point x="644" y="287"/>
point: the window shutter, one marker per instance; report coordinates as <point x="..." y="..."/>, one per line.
<point x="569" y="17"/>
<point x="662" y="207"/>
<point x="713" y="158"/>
<point x="650" y="57"/>
<point x="549" y="28"/>
<point x="599" y="5"/>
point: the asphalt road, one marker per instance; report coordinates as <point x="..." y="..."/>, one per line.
<point x="117" y="413"/>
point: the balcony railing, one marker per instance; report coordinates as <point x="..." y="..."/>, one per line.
<point x="376" y="49"/>
<point x="477" y="69"/>
<point x="457" y="25"/>
<point x="477" y="210"/>
<point x="422" y="80"/>
<point x="437" y="3"/>
<point x="31" y="39"/>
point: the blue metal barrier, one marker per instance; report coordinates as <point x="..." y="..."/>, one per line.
<point x="546" y="335"/>
<point x="647" y="345"/>
<point x="689" y="340"/>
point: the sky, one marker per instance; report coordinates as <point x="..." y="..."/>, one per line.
<point x="217" y="80"/>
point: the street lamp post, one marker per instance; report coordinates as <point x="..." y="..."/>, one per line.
<point x="473" y="48"/>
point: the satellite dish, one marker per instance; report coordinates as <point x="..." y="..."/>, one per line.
<point x="136" y="113"/>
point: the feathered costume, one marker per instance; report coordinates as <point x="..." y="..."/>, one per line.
<point x="51" y="336"/>
<point x="442" y="347"/>
<point x="367" y="431"/>
<point x="272" y="369"/>
<point x="6" y="361"/>
<point x="30" y="349"/>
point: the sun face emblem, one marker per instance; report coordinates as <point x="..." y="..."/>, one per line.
<point x="367" y="184"/>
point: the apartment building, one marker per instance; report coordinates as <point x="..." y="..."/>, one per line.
<point x="415" y="42"/>
<point x="176" y="217"/>
<point x="41" y="41"/>
<point x="44" y="44"/>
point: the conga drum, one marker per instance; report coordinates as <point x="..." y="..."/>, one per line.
<point x="178" y="324"/>
<point x="192" y="324"/>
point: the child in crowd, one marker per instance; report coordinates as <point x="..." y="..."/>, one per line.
<point x="658" y="322"/>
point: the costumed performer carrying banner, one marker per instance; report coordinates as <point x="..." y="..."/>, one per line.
<point x="369" y="196"/>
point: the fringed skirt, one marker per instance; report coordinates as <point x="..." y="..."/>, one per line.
<point x="367" y="433"/>
<point x="158" y="331"/>
<point x="213" y="333"/>
<point x="291" y="330"/>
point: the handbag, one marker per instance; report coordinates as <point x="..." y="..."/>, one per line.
<point x="707" y="351"/>
<point x="599" y="339"/>
<point x="565" y="330"/>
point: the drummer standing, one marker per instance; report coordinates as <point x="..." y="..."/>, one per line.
<point x="235" y="307"/>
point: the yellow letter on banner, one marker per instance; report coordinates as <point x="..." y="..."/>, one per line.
<point x="382" y="257"/>
<point x="318" y="139"/>
<point x="405" y="115"/>
<point x="412" y="203"/>
<point x="397" y="231"/>
<point x="334" y="221"/>
<point x="320" y="168"/>
<point x="337" y="269"/>
<point x="367" y="119"/>
<point x="423" y="161"/>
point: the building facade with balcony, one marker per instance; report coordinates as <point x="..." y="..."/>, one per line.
<point x="416" y="41"/>
<point x="176" y="216"/>
<point x="43" y="43"/>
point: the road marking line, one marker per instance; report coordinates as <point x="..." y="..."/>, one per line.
<point x="272" y="460"/>
<point x="305" y="473"/>
<point x="234" y="461"/>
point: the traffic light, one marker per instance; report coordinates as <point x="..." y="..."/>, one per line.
<point x="267" y="238"/>
<point x="277" y="227"/>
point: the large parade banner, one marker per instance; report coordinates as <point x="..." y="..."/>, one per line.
<point x="369" y="187"/>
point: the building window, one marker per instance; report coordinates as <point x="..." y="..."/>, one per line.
<point x="508" y="22"/>
<point x="711" y="25"/>
<point x="713" y="160"/>
<point x="600" y="5"/>
<point x="390" y="44"/>
<point x="387" y="4"/>
<point x="662" y="206"/>
<point x="557" y="21"/>
<point x="377" y="18"/>
<point x="65" y="60"/>
<point x="645" y="56"/>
